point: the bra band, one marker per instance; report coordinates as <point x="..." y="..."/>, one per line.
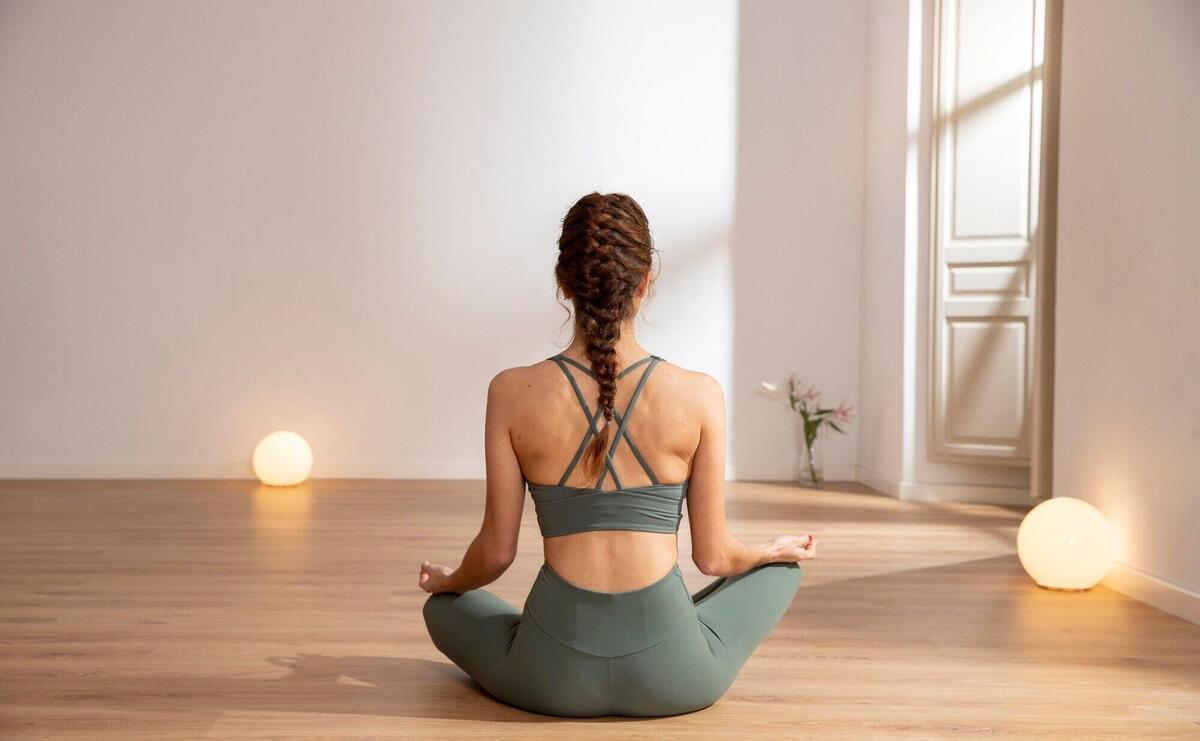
<point x="562" y="509"/>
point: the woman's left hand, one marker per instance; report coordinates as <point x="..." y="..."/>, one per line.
<point x="433" y="577"/>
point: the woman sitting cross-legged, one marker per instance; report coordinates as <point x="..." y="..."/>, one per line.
<point x="611" y="441"/>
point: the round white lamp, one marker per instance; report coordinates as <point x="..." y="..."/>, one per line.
<point x="283" y="459"/>
<point x="1065" y="543"/>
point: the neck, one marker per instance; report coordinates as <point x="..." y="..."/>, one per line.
<point x="627" y="347"/>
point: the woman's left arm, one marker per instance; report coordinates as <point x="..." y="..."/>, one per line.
<point x="495" y="546"/>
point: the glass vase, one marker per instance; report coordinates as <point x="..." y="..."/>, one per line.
<point x="812" y="470"/>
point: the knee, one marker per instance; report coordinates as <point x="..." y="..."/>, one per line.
<point x="434" y="612"/>
<point x="432" y="605"/>
<point x="784" y="569"/>
<point x="791" y="569"/>
<point x="786" y="575"/>
<point x="791" y="573"/>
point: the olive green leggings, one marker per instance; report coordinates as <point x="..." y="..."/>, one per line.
<point x="576" y="652"/>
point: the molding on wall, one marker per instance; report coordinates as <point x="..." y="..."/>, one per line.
<point x="233" y="470"/>
<point x="777" y="472"/>
<point x="243" y="470"/>
<point x="905" y="490"/>
<point x="402" y="471"/>
<point x="1158" y="593"/>
<point x="914" y="491"/>
<point x="881" y="484"/>
<point x="348" y="470"/>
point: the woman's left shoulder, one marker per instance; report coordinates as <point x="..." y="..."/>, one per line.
<point x="518" y="379"/>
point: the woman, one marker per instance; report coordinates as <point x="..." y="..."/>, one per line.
<point x="608" y="627"/>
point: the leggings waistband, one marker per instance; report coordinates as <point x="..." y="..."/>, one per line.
<point x="610" y="624"/>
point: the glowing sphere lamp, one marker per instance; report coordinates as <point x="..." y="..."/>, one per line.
<point x="283" y="459"/>
<point x="1066" y="543"/>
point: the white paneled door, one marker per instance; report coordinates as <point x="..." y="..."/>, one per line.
<point x="988" y="247"/>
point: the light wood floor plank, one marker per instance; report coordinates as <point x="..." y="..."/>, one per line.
<point x="185" y="609"/>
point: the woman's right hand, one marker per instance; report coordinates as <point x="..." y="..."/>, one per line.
<point x="433" y="577"/>
<point x="791" y="548"/>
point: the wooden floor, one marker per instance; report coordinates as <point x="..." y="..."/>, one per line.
<point x="221" y="609"/>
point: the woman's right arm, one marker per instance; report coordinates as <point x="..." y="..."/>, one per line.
<point x="715" y="550"/>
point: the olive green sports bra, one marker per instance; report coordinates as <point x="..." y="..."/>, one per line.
<point x="563" y="510"/>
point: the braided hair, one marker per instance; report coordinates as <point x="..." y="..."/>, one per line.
<point x="603" y="254"/>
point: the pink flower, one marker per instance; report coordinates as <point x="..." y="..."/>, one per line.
<point x="843" y="412"/>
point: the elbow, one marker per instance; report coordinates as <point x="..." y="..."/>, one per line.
<point x="498" y="560"/>
<point x="493" y="552"/>
<point x="709" y="564"/>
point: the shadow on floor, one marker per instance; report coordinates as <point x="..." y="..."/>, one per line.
<point x="983" y="613"/>
<point x="384" y="686"/>
<point x="987" y="611"/>
<point x="379" y="685"/>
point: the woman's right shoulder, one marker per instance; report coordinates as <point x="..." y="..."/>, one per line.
<point x="696" y="387"/>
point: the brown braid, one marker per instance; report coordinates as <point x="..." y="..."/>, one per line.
<point x="603" y="254"/>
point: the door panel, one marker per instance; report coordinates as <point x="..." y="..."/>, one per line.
<point x="986" y="244"/>
<point x="987" y="399"/>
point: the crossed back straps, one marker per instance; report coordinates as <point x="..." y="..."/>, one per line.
<point x="622" y="434"/>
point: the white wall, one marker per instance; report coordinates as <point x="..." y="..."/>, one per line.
<point x="1127" y="405"/>
<point x="881" y="384"/>
<point x="224" y="218"/>
<point x="797" y="233"/>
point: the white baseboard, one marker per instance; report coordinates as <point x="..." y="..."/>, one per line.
<point x="878" y="482"/>
<point x="343" y="470"/>
<point x="758" y="471"/>
<point x="391" y="470"/>
<point x="785" y="472"/>
<point x="331" y="470"/>
<point x="914" y="491"/>
<point x="1159" y="593"/>
<point x="233" y="470"/>
<point x="911" y="491"/>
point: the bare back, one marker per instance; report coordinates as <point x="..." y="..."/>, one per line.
<point x="547" y="424"/>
